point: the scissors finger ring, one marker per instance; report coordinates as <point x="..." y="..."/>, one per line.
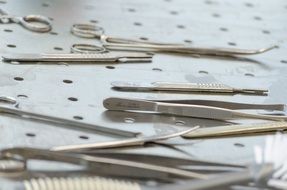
<point x="36" y="23"/>
<point x="87" y="48"/>
<point x="87" y="30"/>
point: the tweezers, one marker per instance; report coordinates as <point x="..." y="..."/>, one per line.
<point x="218" y="110"/>
<point x="183" y="87"/>
<point x="123" y="143"/>
<point x="80" y="57"/>
<point x="230" y="130"/>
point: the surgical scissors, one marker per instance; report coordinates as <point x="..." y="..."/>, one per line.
<point x="35" y="23"/>
<point x="114" y="43"/>
<point x="58" y="120"/>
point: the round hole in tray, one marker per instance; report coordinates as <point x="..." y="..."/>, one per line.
<point x="22" y="96"/>
<point x="73" y="99"/>
<point x="45" y="4"/>
<point x="232" y="43"/>
<point x="18" y="78"/>
<point x="94" y="21"/>
<point x="137" y="24"/>
<point x="58" y="48"/>
<point x="266" y="32"/>
<point x="180" y="26"/>
<point x="132" y="10"/>
<point x="54" y="33"/>
<point x="208" y="2"/>
<point x="30" y="134"/>
<point x="187" y="41"/>
<point x="157" y="69"/>
<point x="110" y="67"/>
<point x="84" y="137"/>
<point x="249" y="74"/>
<point x="173" y="12"/>
<point x="144" y="38"/>
<point x="223" y="29"/>
<point x="8" y="30"/>
<point x="67" y="81"/>
<point x="249" y="5"/>
<point x="203" y="72"/>
<point x="11" y="45"/>
<point x="239" y="145"/>
<point x="216" y="15"/>
<point x="257" y="18"/>
<point x="77" y="117"/>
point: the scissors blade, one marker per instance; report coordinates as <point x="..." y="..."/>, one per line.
<point x="110" y="166"/>
<point x="186" y="50"/>
<point x="67" y="122"/>
<point x="123" y="143"/>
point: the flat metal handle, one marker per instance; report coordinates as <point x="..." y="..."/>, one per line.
<point x="229" y="130"/>
<point x="184" y="87"/>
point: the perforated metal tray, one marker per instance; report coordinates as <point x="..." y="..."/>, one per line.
<point x="222" y="23"/>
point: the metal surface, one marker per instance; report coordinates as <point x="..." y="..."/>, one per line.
<point x="183" y="87"/>
<point x="77" y="91"/>
<point x="181" y="108"/>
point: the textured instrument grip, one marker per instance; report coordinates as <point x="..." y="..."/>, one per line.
<point x="79" y="183"/>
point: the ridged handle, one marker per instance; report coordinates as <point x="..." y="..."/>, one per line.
<point x="79" y="183"/>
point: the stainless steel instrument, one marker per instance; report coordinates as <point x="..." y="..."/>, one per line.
<point x="10" y="105"/>
<point x="123" y="143"/>
<point x="183" y="87"/>
<point x="108" y="57"/>
<point x="35" y="23"/>
<point x="114" y="43"/>
<point x="193" y="108"/>
<point x="230" y="130"/>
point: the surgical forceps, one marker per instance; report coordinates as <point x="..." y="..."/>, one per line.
<point x="58" y="120"/>
<point x="114" y="43"/>
<point x="208" y="109"/>
<point x="123" y="143"/>
<point x="229" y="130"/>
<point x="35" y="23"/>
<point x="183" y="87"/>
